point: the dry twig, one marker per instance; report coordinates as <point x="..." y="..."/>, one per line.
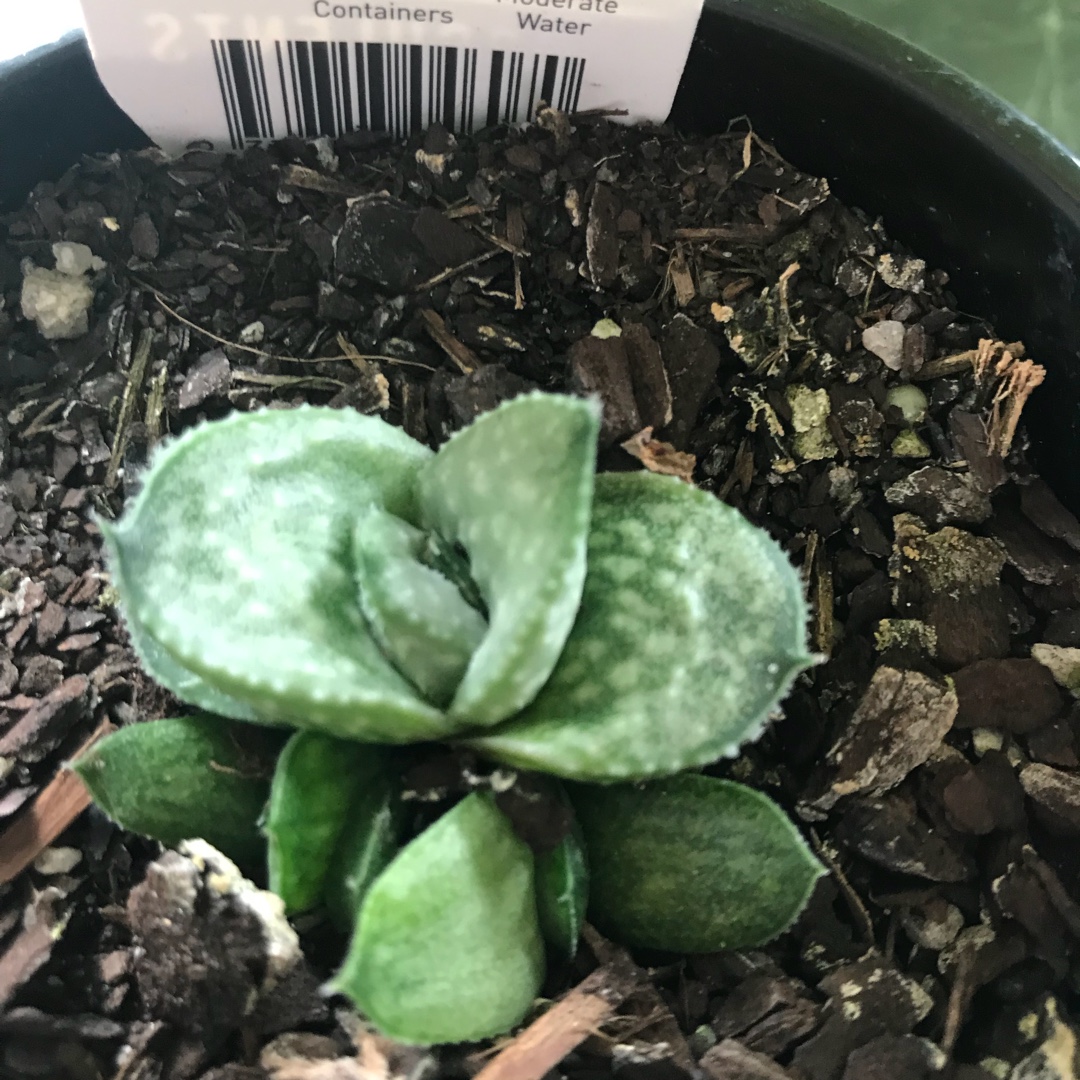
<point x="466" y="360"/>
<point x="453" y="271"/>
<point x="127" y="405"/>
<point x="172" y="312"/>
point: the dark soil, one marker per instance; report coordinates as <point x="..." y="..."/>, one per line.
<point x="933" y="760"/>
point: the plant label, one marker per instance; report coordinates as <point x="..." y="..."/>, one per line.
<point x="248" y="71"/>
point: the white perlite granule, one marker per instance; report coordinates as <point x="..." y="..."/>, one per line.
<point x="59" y="300"/>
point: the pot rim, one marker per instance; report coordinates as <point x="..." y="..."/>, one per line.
<point x="917" y="74"/>
<point x="848" y="39"/>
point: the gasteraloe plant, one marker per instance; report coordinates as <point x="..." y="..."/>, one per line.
<point x="320" y="570"/>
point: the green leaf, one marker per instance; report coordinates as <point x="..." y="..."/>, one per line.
<point x="691" y="630"/>
<point x="420" y="619"/>
<point x="447" y="946"/>
<point x="450" y="561"/>
<point x="236" y="560"/>
<point x="692" y="864"/>
<point x="370" y="840"/>
<point x="184" y="684"/>
<point x="562" y="892"/>
<point x="194" y="777"/>
<point x="515" y="490"/>
<point x="318" y="782"/>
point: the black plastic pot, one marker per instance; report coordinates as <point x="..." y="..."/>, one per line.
<point x="958" y="175"/>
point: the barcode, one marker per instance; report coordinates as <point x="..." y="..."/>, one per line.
<point x="309" y="88"/>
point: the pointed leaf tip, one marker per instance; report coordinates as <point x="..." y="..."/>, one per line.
<point x="447" y="947"/>
<point x="234" y="561"/>
<point x="691" y="630"/>
<point x="515" y="490"/>
<point x="180" y="779"/>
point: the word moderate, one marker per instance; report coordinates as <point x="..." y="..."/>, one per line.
<point x="594" y="7"/>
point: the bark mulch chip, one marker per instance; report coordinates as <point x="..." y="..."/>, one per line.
<point x="743" y="329"/>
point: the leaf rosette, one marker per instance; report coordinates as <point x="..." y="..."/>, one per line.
<point x="320" y="570"/>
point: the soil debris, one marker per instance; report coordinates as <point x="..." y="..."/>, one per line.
<point x="746" y="332"/>
<point x="899" y="723"/>
<point x="1015" y="695"/>
<point x="660" y="457"/>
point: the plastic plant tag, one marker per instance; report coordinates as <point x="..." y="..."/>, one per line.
<point x="243" y="71"/>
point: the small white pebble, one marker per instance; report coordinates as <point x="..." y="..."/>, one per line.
<point x="57" y="860"/>
<point x="59" y="303"/>
<point x="885" y="340"/>
<point x="253" y="333"/>
<point x="75" y="258"/>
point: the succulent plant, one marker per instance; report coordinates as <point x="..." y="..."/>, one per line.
<point x="319" y="570"/>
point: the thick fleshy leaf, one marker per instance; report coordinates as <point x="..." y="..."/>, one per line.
<point x="692" y="864"/>
<point x="447" y="946"/>
<point x="692" y="628"/>
<point x="236" y="559"/>
<point x="515" y="490"/>
<point x="194" y="777"/>
<point x="562" y="892"/>
<point x="317" y="784"/>
<point x="371" y="838"/>
<point x="424" y="625"/>
<point x="186" y="685"/>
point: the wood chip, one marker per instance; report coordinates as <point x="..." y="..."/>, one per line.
<point x="60" y="802"/>
<point x="466" y="360"/>
<point x="1055" y="791"/>
<point x="651" y="388"/>
<point x="546" y="1041"/>
<point x="299" y="176"/>
<point x="648" y="1004"/>
<point x="33" y="945"/>
<point x="602" y="238"/>
<point x="900" y="722"/>
<point x="682" y="281"/>
<point x="730" y="1059"/>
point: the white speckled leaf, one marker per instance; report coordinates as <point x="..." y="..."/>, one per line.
<point x="515" y="490"/>
<point x="447" y="946"/>
<point x="236" y="560"/>
<point x="417" y="616"/>
<point x="186" y="685"/>
<point x="692" y="628"/>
